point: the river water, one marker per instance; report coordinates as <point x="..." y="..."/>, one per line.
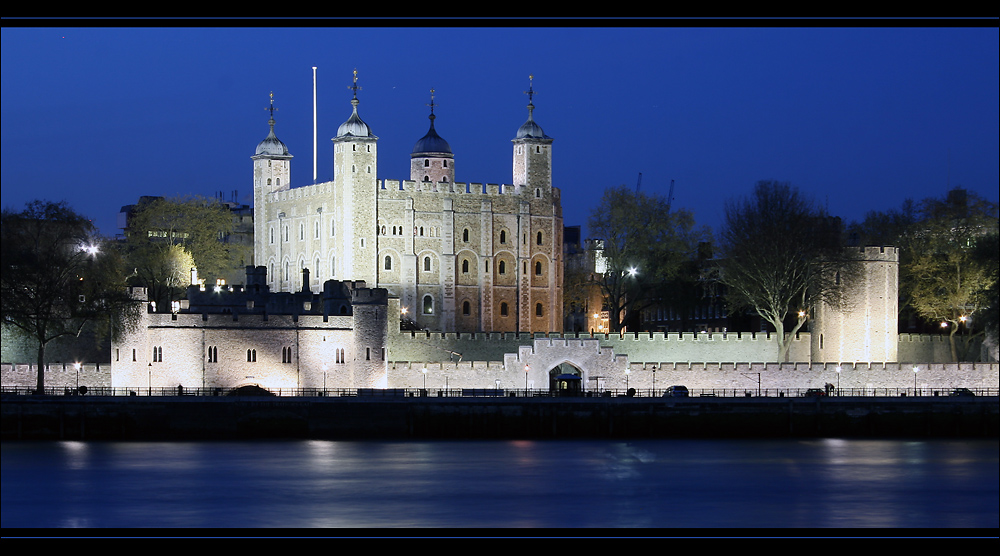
<point x="675" y="484"/>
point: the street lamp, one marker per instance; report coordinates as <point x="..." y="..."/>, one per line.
<point x="77" y="367"/>
<point x="654" y="380"/>
<point x="424" y="371"/>
<point x="627" y="372"/>
<point x="838" y="381"/>
<point x="526" y="369"/>
<point x="915" y="380"/>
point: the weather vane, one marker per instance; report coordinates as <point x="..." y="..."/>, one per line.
<point x="354" y="85"/>
<point x="530" y="92"/>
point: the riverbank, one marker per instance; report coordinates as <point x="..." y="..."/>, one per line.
<point x="201" y="418"/>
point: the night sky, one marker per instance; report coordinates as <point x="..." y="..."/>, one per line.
<point x="858" y="117"/>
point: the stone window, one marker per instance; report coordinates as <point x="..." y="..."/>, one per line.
<point x="427" y="264"/>
<point x="539" y="311"/>
<point x="428" y="305"/>
<point x="538" y="268"/>
<point x="502" y="268"/>
<point x="465" y="266"/>
<point x="251" y="356"/>
<point x="503" y="236"/>
<point x="503" y="309"/>
<point x="157" y="354"/>
<point x="539" y="239"/>
<point x="466" y="308"/>
<point x="465" y="235"/>
<point x="388" y="262"/>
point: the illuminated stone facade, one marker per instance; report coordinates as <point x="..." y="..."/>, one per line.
<point x="459" y="256"/>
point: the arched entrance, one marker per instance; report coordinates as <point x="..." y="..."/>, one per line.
<point x="565" y="379"/>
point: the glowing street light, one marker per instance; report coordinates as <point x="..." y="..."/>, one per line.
<point x="526" y="369"/>
<point x="424" y="371"/>
<point x="838" y="381"/>
<point x="915" y="369"/>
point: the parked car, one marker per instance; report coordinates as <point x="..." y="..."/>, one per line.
<point x="815" y="393"/>
<point x="962" y="392"/>
<point x="676" y="392"/>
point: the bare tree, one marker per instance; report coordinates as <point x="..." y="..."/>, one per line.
<point x="781" y="255"/>
<point x="644" y="246"/>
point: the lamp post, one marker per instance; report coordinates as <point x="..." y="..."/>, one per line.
<point x="526" y="369"/>
<point x="654" y="380"/>
<point x="77" y="367"/>
<point x="838" y="381"/>
<point x="627" y="372"/>
<point x="915" y="369"/>
<point x="424" y="371"/>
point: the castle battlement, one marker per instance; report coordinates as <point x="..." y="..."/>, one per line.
<point x="448" y="188"/>
<point x="302" y="192"/>
<point x="886" y="253"/>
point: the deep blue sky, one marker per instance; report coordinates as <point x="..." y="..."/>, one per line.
<point x="860" y="118"/>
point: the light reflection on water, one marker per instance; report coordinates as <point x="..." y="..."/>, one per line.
<point x="655" y="483"/>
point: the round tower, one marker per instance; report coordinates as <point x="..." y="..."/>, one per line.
<point x="864" y="328"/>
<point x="432" y="159"/>
<point x="271" y="172"/>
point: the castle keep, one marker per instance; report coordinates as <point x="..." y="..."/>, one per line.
<point x="459" y="256"/>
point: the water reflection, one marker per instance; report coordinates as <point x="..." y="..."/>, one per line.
<point x="662" y="483"/>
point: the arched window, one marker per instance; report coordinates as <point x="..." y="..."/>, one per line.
<point x="388" y="262"/>
<point x="428" y="305"/>
<point x="503" y="236"/>
<point x="502" y="267"/>
<point x="272" y="235"/>
<point x="427" y="163"/>
<point x="268" y="181"/>
<point x="503" y="309"/>
<point x="427" y="264"/>
<point x="466" y="308"/>
<point x="333" y="227"/>
<point x="465" y="235"/>
<point x="465" y="266"/>
<point x="538" y="268"/>
<point x="538" y="310"/>
<point x="539" y="240"/>
<point x="538" y="193"/>
<point x="302" y="232"/>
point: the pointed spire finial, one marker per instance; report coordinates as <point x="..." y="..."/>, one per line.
<point x="271" y="109"/>
<point x="530" y="92"/>
<point x="432" y="105"/>
<point x="354" y="86"/>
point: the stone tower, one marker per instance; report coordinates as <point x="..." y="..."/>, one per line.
<point x="355" y="165"/>
<point x="866" y="327"/>
<point x="271" y="172"/>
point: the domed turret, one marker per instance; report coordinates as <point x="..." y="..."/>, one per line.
<point x="431" y="159"/>
<point x="271" y="145"/>
<point x="530" y="129"/>
<point x="431" y="143"/>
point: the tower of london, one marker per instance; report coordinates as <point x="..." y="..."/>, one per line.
<point x="460" y="256"/>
